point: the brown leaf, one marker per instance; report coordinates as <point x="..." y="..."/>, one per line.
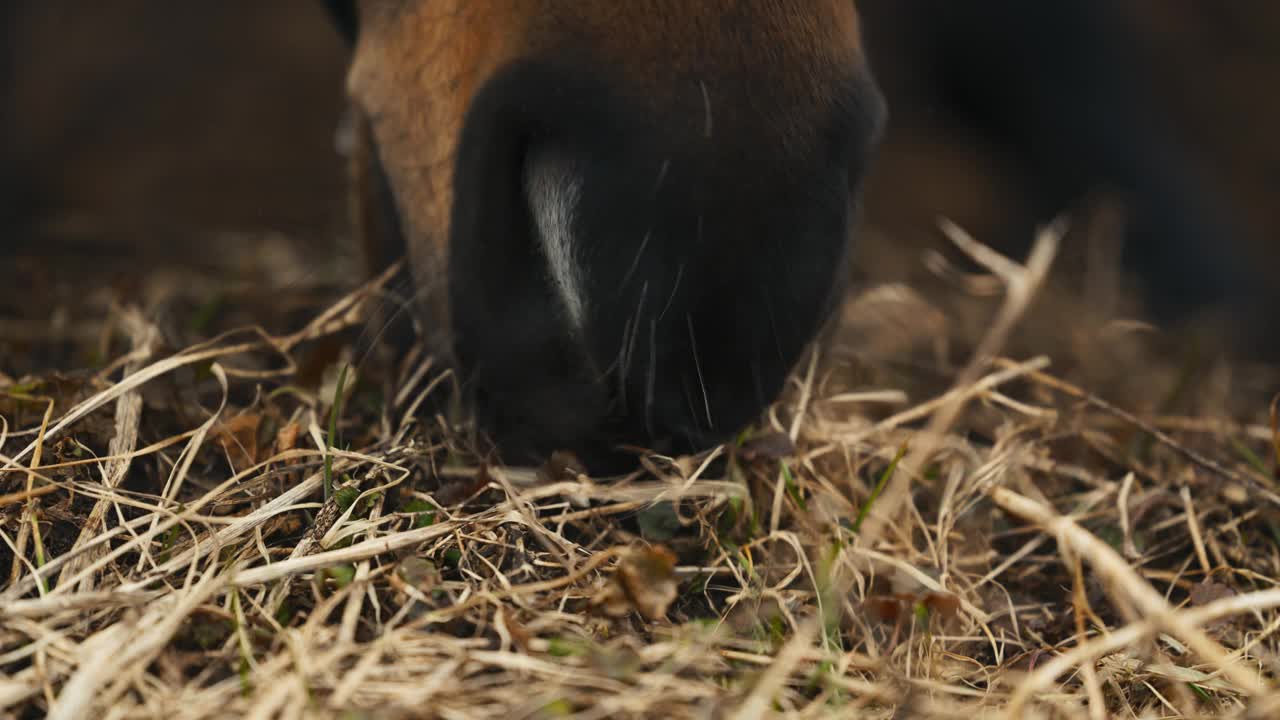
<point x="1208" y="591"/>
<point x="287" y="438"/>
<point x="419" y="573"/>
<point x="562" y="465"/>
<point x="615" y="660"/>
<point x="519" y="634"/>
<point x="662" y="467"/>
<point x="645" y="582"/>
<point x="239" y="440"/>
<point x="900" y="606"/>
<point x="751" y="614"/>
<point x="942" y="604"/>
<point x="888" y="608"/>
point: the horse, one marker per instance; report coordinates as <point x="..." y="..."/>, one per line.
<point x="626" y="221"/>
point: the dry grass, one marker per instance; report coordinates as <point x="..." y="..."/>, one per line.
<point x="900" y="538"/>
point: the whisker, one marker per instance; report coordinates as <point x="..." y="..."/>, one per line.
<point x="368" y="340"/>
<point x="635" y="263"/>
<point x="653" y="377"/>
<point x="709" y="124"/>
<point x="688" y="399"/>
<point x="635" y="329"/>
<point x="674" y="289"/>
<point x="773" y="326"/>
<point x="620" y="365"/>
<point x="697" y="366"/>
<point x="662" y="174"/>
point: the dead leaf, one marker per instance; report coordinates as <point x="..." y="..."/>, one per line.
<point x="519" y="634"/>
<point x="1208" y="591"/>
<point x="942" y="604"/>
<point x="615" y="660"/>
<point x="238" y="438"/>
<point x="901" y="606"/>
<point x="751" y="614"/>
<point x="645" y="582"/>
<point x="287" y="438"/>
<point x="420" y="573"/>
<point x="562" y="465"/>
<point x="886" y="608"/>
<point x="671" y="469"/>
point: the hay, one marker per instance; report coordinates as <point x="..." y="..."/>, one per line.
<point x="895" y="540"/>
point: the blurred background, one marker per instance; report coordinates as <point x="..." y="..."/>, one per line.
<point x="140" y="133"/>
<point x="159" y="115"/>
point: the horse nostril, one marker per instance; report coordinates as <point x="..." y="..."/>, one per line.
<point x="654" y="291"/>
<point x="517" y="300"/>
